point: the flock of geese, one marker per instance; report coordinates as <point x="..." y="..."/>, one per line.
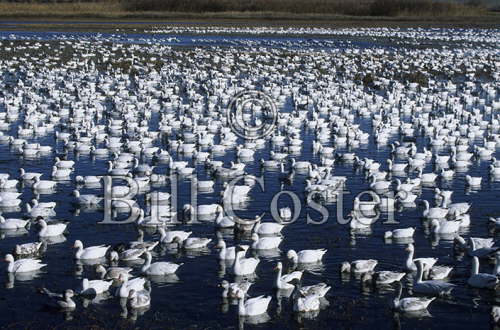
<point x="138" y="119"/>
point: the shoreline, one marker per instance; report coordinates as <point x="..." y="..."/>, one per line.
<point x="76" y="22"/>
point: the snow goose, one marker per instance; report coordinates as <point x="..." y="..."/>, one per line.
<point x="358" y="266"/>
<point x="89" y="180"/>
<point x="265" y="243"/>
<point x="112" y="273"/>
<point x="244" y="266"/>
<point x="64" y="163"/>
<point x="60" y="173"/>
<point x="320" y="290"/>
<point x="29" y="249"/>
<point x="224" y="221"/>
<point x="400" y="233"/>
<point x="63" y="301"/>
<point x="28" y="176"/>
<point x="427" y="178"/>
<point x="495" y="314"/>
<point x="411" y="265"/>
<point x="52" y="229"/>
<point x="396" y="168"/>
<point x="496" y="269"/>
<point x="231" y="290"/>
<point x="167" y="237"/>
<point x="160" y="268"/>
<point x="139" y="299"/>
<point x="379" y="186"/>
<point x="132" y="254"/>
<point x="444" y="226"/>
<point x="22" y="265"/>
<point x="306" y="304"/>
<point x="381" y="278"/>
<point x="306" y="256"/>
<point x="87" y="199"/>
<point x="435" y="212"/>
<point x="410" y="304"/>
<point x="439" y="272"/>
<point x="43" y="185"/>
<point x="253" y="306"/>
<point x="268" y="228"/>
<point x="228" y="253"/>
<point x="127" y="285"/>
<point x="447" y="174"/>
<point x="8" y="184"/>
<point x="473" y="181"/>
<point x="141" y="244"/>
<point x="94" y="287"/>
<point x="12" y="223"/>
<point x="481" y="280"/>
<point x="282" y="282"/>
<point x="192" y="243"/>
<point x="91" y="252"/>
<point x="431" y="287"/>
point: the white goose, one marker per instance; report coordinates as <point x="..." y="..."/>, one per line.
<point x="22" y="265"/>
<point x="43" y="185"/>
<point x="112" y="273"/>
<point x="139" y="299"/>
<point x="231" y="290"/>
<point x="282" y="282"/>
<point x="427" y="263"/>
<point x="95" y="287"/>
<point x="91" y="252"/>
<point x="28" y="176"/>
<point x="63" y="301"/>
<point x="400" y="233"/>
<point x="384" y="277"/>
<point x="358" y="266"/>
<point x="28" y="249"/>
<point x="242" y="265"/>
<point x="432" y="287"/>
<point x="136" y="284"/>
<point x="481" y="280"/>
<point x="132" y="254"/>
<point x="228" y="253"/>
<point x="87" y="199"/>
<point x="52" y="229"/>
<point x="410" y="304"/>
<point x="444" y="226"/>
<point x="268" y="228"/>
<point x="168" y="237"/>
<point x="265" y="243"/>
<point x="253" y="306"/>
<point x="309" y="303"/>
<point x="161" y="268"/>
<point x="473" y="181"/>
<point x="306" y="256"/>
<point x="12" y="223"/>
<point x="193" y="243"/>
<point x="435" y="212"/>
<point x="224" y="221"/>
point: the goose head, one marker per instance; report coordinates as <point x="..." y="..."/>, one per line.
<point x="78" y="244"/>
<point x="292" y="256"/>
<point x="279" y="267"/>
<point x="345" y="267"/>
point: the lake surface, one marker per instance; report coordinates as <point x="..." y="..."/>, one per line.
<point x="192" y="298"/>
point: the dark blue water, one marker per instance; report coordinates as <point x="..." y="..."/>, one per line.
<point x="192" y="299"/>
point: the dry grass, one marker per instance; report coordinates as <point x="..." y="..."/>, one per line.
<point x="82" y="9"/>
<point x="252" y="9"/>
